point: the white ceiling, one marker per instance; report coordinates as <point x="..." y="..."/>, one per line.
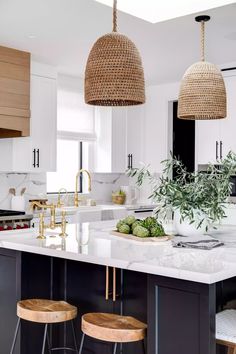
<point x="61" y="32"/>
<point x="156" y="11"/>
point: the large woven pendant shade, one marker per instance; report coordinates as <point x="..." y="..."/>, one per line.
<point x="202" y="91"/>
<point x="114" y="73"/>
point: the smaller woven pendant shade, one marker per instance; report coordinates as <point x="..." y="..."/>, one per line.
<point x="114" y="73"/>
<point x="202" y="91"/>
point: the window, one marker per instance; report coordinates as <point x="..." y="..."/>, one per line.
<point x="69" y="162"/>
<point x="75" y="124"/>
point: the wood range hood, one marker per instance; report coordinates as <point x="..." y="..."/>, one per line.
<point x="14" y="93"/>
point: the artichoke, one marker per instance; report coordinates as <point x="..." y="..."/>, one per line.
<point x="121" y="222"/>
<point x="136" y="223"/>
<point x="141" y="231"/>
<point x="124" y="229"/>
<point x="129" y="220"/>
<point x="149" y="222"/>
<point x="157" y="231"/>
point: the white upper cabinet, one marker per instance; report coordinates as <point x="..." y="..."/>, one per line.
<point x="215" y="138"/>
<point x="119" y="144"/>
<point x="228" y="125"/>
<point x="36" y="153"/>
<point x="207" y="141"/>
<point x="134" y="129"/>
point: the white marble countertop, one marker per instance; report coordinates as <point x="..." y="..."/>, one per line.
<point x="93" y="243"/>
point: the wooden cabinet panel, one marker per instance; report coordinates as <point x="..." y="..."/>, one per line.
<point x="14" y="56"/>
<point x="14" y="92"/>
<point x="18" y="87"/>
<point x="13" y="71"/>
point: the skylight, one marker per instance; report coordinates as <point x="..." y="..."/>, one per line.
<point x="158" y="10"/>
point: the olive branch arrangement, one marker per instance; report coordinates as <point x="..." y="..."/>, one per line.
<point x="191" y="193"/>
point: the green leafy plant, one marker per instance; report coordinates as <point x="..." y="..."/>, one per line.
<point x="198" y="193"/>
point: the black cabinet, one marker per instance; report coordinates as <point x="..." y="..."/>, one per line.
<point x="10" y="285"/>
<point x="181" y="316"/>
<point x="25" y="275"/>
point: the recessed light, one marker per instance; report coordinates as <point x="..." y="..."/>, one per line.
<point x="156" y="11"/>
<point x="31" y="36"/>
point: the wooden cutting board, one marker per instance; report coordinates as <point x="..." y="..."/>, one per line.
<point x="141" y="239"/>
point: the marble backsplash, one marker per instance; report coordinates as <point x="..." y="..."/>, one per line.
<point x="35" y="185"/>
<point x="103" y="184"/>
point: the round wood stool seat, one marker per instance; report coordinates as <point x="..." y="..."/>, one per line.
<point x="45" y="311"/>
<point x="226" y="329"/>
<point x="113" y="328"/>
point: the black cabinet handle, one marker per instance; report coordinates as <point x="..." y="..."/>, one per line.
<point x="37" y="157"/>
<point x="34" y="157"/>
<point x="221" y="154"/>
<point x="217" y="144"/>
<point x="131" y="158"/>
<point x="129" y="165"/>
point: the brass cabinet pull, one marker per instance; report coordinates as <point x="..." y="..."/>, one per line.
<point x="107" y="292"/>
<point x="107" y="284"/>
<point x="114" y="285"/>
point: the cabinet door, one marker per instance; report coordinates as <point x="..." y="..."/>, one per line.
<point x="227" y="126"/>
<point x="118" y="141"/>
<point x="43" y="127"/>
<point x="134" y="134"/>
<point x="207" y="141"/>
<point x="10" y="268"/>
<point x="38" y="153"/>
<point x="86" y="288"/>
<point x="134" y="303"/>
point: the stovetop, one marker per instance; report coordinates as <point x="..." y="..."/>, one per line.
<point x="10" y="212"/>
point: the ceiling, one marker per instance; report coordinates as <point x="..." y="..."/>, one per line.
<point x="61" y="33"/>
<point x="156" y="11"/>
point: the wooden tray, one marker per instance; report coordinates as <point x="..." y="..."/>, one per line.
<point x="141" y="239"/>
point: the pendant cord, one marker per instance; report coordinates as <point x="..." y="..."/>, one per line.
<point x="114" y="16"/>
<point x="203" y="40"/>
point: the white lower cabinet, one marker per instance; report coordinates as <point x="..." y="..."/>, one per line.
<point x="36" y="153"/>
<point x="215" y="138"/>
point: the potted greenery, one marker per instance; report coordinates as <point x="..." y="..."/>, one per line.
<point x="197" y="199"/>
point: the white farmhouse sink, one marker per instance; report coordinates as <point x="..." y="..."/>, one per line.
<point x="94" y="213"/>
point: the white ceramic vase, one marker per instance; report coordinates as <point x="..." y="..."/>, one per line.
<point x="184" y="228"/>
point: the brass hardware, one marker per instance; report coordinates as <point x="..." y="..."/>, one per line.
<point x="114" y="284"/>
<point x="107" y="283"/>
<point x="52" y="224"/>
<point x="107" y="292"/>
<point x="63" y="225"/>
<point x="59" y="203"/>
<point x="76" y="197"/>
<point x="41" y="235"/>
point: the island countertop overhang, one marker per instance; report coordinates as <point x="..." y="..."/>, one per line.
<point x="93" y="243"/>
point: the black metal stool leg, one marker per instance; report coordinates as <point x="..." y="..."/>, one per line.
<point x="44" y="337"/>
<point x="144" y="346"/>
<point x="15" y="335"/>
<point x="74" y="336"/>
<point x="49" y="343"/>
<point x="115" y="347"/>
<point x="82" y="343"/>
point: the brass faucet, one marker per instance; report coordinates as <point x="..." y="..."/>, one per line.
<point x="59" y="203"/>
<point x="76" y="198"/>
<point x="52" y="224"/>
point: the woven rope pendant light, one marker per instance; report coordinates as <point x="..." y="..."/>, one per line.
<point x="114" y="73"/>
<point x="202" y="91"/>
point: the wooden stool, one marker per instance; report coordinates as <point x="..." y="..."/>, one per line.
<point x="226" y="330"/>
<point x="112" y="328"/>
<point x="48" y="312"/>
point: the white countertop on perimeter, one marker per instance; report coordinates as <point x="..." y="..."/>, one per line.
<point x="93" y="243"/>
